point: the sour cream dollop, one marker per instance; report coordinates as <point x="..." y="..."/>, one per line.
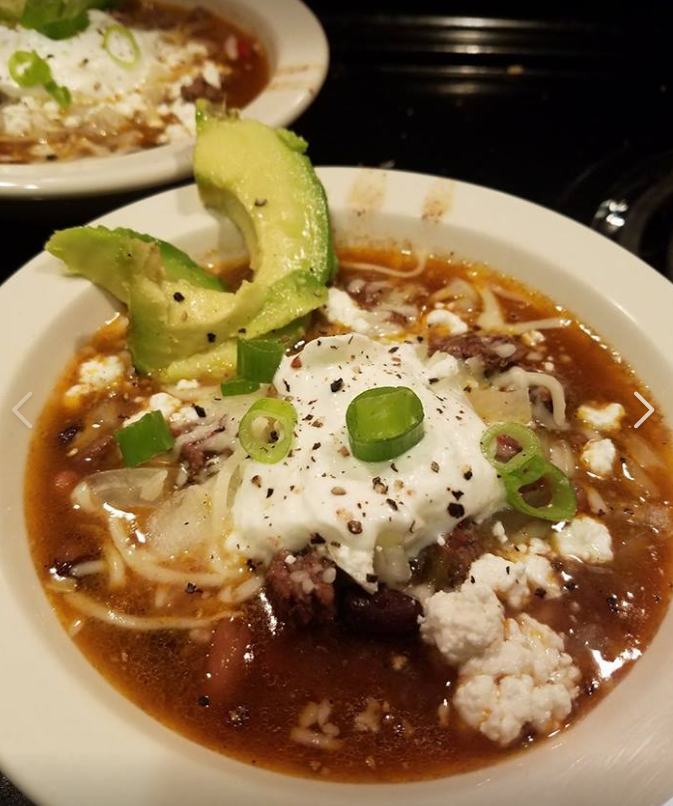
<point x="80" y="62"/>
<point x="322" y="494"/>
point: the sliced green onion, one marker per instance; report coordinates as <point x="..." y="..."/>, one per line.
<point x="562" y="504"/>
<point x="144" y="439"/>
<point x="58" y="19"/>
<point x="59" y="93"/>
<point x="121" y="46"/>
<point x="28" y="69"/>
<point x="238" y="386"/>
<point x="525" y="437"/>
<point x="275" y="448"/>
<point x="258" y="359"/>
<point x="384" y="422"/>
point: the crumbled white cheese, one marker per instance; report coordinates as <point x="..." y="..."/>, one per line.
<point x="342" y="309"/>
<point x="586" y="539"/>
<point x="16" y="119"/>
<point x="540" y="576"/>
<point x="462" y="623"/>
<point x="605" y="418"/>
<point x="599" y="456"/>
<point x="513" y="582"/>
<point x="174" y="410"/>
<point x="527" y="679"/>
<point x="504" y="578"/>
<point x="96" y="375"/>
<point x="454" y="324"/>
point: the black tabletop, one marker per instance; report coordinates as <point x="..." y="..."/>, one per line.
<point x="554" y="104"/>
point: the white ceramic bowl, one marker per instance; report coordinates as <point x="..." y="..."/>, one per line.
<point x="69" y="739"/>
<point x="298" y="56"/>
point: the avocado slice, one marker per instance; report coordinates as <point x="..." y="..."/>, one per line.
<point x="263" y="181"/>
<point x="183" y="324"/>
<point x="110" y="258"/>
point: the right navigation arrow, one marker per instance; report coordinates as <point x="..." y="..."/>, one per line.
<point x="650" y="409"/>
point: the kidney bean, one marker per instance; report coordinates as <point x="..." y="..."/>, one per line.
<point x="225" y="665"/>
<point x="385" y="613"/>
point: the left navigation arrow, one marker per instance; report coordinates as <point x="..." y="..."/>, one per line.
<point x="16" y="408"/>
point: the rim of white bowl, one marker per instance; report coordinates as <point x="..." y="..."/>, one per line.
<point x="298" y="54"/>
<point x="69" y="738"/>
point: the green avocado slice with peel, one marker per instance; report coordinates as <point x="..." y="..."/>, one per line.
<point x="183" y="324"/>
<point x="110" y="258"/>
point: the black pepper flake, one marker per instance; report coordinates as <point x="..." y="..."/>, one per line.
<point x="457" y="494"/>
<point x="392" y="504"/>
<point x="337" y="385"/>
<point x="472" y="580"/>
<point x="190" y="587"/>
<point x="433" y="380"/>
<point x="257" y="481"/>
<point x="613" y="603"/>
<point x="316" y="445"/>
<point x="178" y="297"/>
<point x="66" y="436"/>
<point x="317" y="539"/>
<point x="211" y="337"/>
<point x="507" y="570"/>
<point x="393" y="466"/>
<point x="434" y="467"/>
<point x="540" y="593"/>
<point x="467" y="475"/>
<point x="252" y="565"/>
<point x="269" y="492"/>
<point x="456" y="510"/>
<point x="260" y="202"/>
<point x="354" y="527"/>
<point x="199" y="410"/>
<point x="204" y="701"/>
<point x="379" y="485"/>
<point x="286" y="385"/>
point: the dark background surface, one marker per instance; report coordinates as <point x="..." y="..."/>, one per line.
<point x="566" y="107"/>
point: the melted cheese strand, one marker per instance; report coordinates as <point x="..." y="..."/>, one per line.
<point x="99" y="612"/>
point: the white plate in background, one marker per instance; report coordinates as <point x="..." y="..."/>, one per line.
<point x="298" y="57"/>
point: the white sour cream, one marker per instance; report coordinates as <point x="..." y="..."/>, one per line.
<point x="360" y="508"/>
<point x="80" y="62"/>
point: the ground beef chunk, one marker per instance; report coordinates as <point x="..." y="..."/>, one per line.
<point x="506" y="448"/>
<point x="477" y="345"/>
<point x="302" y="591"/>
<point x="200" y="88"/>
<point x="447" y="566"/>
